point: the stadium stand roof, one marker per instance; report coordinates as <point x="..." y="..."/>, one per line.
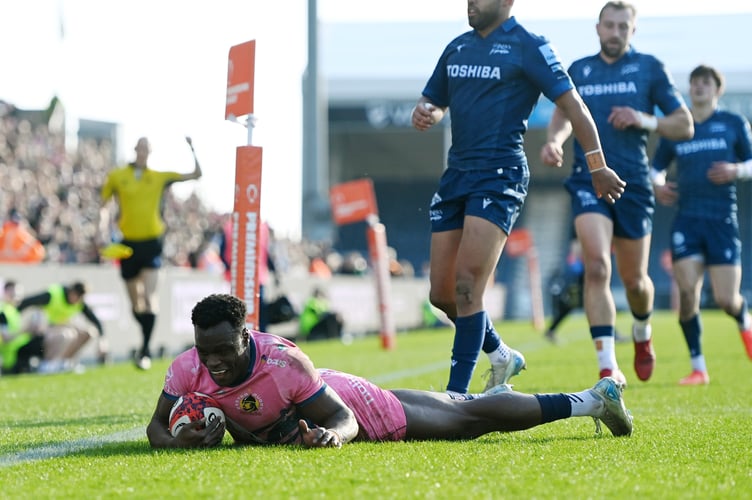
<point x="362" y="61"/>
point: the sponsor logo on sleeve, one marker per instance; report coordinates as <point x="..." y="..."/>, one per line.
<point x="549" y="54"/>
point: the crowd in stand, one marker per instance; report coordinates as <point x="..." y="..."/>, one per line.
<point x="56" y="192"/>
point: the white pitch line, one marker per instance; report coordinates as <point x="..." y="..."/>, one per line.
<point x="61" y="449"/>
<point x="66" y="448"/>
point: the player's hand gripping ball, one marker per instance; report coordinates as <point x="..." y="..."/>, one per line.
<point x="192" y="407"/>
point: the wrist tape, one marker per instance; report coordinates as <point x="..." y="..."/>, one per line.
<point x="648" y="122"/>
<point x="595" y="160"/>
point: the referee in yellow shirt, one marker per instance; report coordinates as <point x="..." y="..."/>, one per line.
<point x="139" y="191"/>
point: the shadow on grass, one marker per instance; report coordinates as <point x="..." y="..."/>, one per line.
<point x="133" y="443"/>
<point x="513" y="438"/>
<point x="142" y="447"/>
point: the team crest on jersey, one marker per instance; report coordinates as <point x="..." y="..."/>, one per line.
<point x="500" y="48"/>
<point x="586" y="71"/>
<point x="249" y="403"/>
<point x="628" y="69"/>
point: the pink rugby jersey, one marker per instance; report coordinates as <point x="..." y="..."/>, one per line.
<point x="280" y="379"/>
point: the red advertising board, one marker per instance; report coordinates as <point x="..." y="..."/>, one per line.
<point x="353" y="201"/>
<point x="240" y="77"/>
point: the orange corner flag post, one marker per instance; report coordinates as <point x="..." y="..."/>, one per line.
<point x="355" y="201"/>
<point x="376" y="234"/>
<point x="246" y="221"/>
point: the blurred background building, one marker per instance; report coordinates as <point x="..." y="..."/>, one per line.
<point x="372" y="86"/>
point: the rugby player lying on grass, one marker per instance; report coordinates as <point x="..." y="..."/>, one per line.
<point x="271" y="393"/>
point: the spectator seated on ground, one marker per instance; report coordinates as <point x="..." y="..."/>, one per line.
<point x="19" y="344"/>
<point x="317" y="320"/>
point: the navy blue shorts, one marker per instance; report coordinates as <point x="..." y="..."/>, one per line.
<point x="632" y="214"/>
<point x="496" y="195"/>
<point x="147" y="254"/>
<point x="717" y="241"/>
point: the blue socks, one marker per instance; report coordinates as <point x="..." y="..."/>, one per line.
<point x="554" y="407"/>
<point x="469" y="337"/>
<point x="692" y="331"/>
<point x="491" y="340"/>
<point x="601" y="331"/>
<point x="742" y="312"/>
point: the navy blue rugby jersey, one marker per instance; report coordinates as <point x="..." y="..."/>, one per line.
<point x="491" y="86"/>
<point x="637" y="80"/>
<point x="723" y="136"/>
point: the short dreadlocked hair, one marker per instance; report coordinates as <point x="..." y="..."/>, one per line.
<point x="216" y="308"/>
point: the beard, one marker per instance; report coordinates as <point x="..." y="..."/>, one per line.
<point x="481" y="20"/>
<point x="613" y="51"/>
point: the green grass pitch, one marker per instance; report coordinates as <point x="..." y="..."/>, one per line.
<point x="83" y="436"/>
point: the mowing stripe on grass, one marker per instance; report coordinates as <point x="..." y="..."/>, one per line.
<point x="418" y="370"/>
<point x="529" y="346"/>
<point x="66" y="448"/>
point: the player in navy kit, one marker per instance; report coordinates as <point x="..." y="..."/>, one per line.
<point x="622" y="88"/>
<point x="705" y="232"/>
<point x="490" y="78"/>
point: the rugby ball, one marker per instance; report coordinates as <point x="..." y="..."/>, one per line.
<point x="192" y="407"/>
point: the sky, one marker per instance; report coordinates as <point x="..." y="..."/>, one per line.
<point x="159" y="69"/>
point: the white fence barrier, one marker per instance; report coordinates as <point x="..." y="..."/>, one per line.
<point x="180" y="288"/>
